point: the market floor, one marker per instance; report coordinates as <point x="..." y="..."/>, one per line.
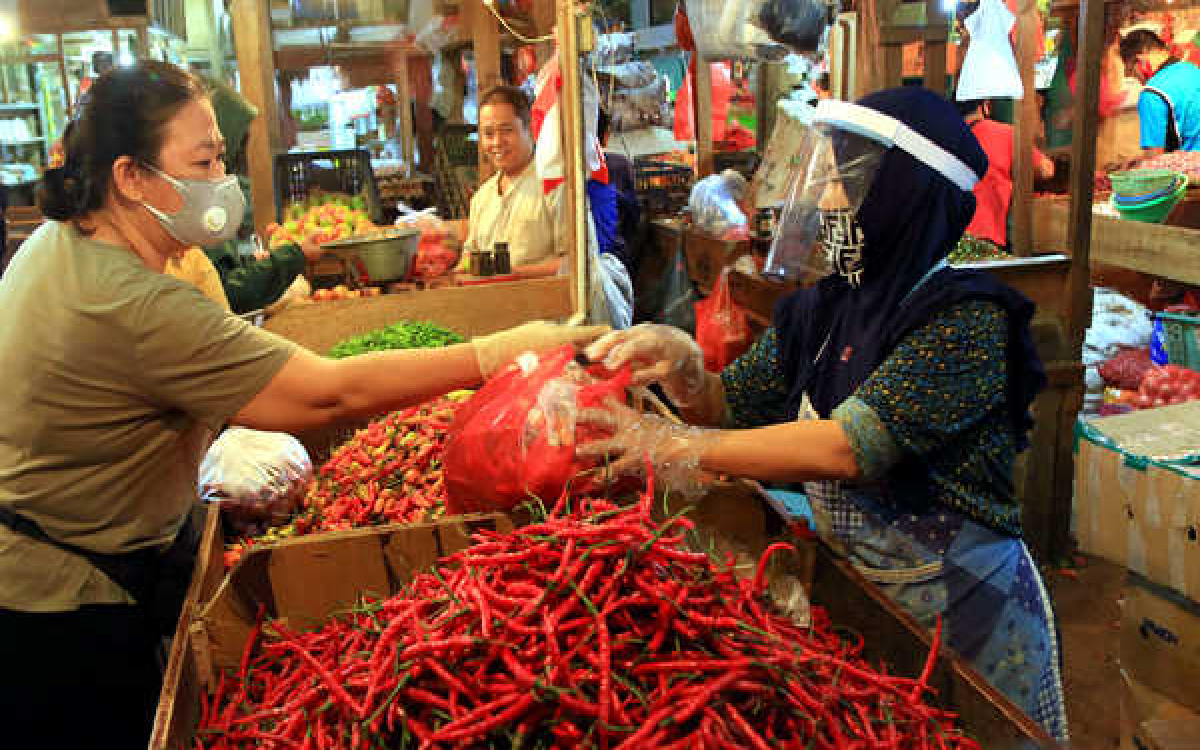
<point x="1088" y="611"/>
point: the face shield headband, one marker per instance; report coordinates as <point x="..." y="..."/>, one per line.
<point x="838" y="159"/>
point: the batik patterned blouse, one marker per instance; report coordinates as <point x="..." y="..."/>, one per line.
<point x="930" y="426"/>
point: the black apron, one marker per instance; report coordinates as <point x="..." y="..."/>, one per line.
<point x="156" y="579"/>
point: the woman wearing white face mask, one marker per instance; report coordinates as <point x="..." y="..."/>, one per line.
<point x="116" y="377"/>
<point x="894" y="387"/>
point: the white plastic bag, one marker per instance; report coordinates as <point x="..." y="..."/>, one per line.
<point x="714" y="205"/>
<point x="258" y="476"/>
<point x="989" y="70"/>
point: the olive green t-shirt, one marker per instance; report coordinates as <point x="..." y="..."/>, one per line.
<point x="115" y="378"/>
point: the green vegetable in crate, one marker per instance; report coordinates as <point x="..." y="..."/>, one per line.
<point x="402" y="335"/>
<point x="974" y="249"/>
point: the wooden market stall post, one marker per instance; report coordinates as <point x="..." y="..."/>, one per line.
<point x="256" y="68"/>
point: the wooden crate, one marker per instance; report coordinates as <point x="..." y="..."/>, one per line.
<point x="470" y="311"/>
<point x="1155" y="249"/>
<point x="303" y="580"/>
<point x="307" y="579"/>
<point x="738" y="517"/>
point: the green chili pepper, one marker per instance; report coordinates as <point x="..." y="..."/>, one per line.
<point x="402" y="335"/>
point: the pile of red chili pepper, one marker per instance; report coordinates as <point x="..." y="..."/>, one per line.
<point x="595" y="627"/>
<point x="389" y="472"/>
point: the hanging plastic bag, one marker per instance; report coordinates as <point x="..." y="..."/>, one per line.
<point x="668" y="299"/>
<point x="722" y="330"/>
<point x="514" y="440"/>
<point x="784" y="153"/>
<point x="722" y="92"/>
<point x="989" y="70"/>
<point x="257" y="476"/>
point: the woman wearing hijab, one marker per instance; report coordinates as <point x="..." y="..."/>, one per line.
<point x="895" y="387"/>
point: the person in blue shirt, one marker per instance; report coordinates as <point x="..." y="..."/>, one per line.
<point x="1169" y="105"/>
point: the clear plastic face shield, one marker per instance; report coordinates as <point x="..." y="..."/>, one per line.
<point x="818" y="233"/>
<point x="839" y="158"/>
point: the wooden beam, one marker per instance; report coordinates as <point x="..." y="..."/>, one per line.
<point x="1083" y="162"/>
<point x="405" y="98"/>
<point x="1025" y="133"/>
<point x="1156" y="249"/>
<point x="468" y="310"/>
<point x="485" y="38"/>
<point x="543" y="22"/>
<point x="570" y="108"/>
<point x="870" y="47"/>
<point x="256" y="66"/>
<point x="702" y="116"/>
<point x="909" y="34"/>
<point x="937" y="38"/>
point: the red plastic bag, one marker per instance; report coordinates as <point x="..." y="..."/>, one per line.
<point x="1127" y="368"/>
<point x="515" y="438"/>
<point x="432" y="259"/>
<point x="722" y="92"/>
<point x="721" y="327"/>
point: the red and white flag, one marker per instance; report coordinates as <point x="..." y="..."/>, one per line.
<point x="547" y="131"/>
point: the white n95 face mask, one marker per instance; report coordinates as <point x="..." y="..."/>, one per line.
<point x="212" y="210"/>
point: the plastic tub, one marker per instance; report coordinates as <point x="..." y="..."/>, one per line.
<point x="1135" y="182"/>
<point x="1153" y="211"/>
<point x="385" y="258"/>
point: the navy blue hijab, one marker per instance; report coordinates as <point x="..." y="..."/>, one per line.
<point x="912" y="217"/>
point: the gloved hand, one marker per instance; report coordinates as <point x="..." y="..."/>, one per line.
<point x="658" y="354"/>
<point x="639" y="440"/>
<point x="496" y="350"/>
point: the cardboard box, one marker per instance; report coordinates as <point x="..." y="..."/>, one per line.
<point x="1151" y="721"/>
<point x="302" y="580"/>
<point x="1137" y="499"/>
<point x="1160" y="641"/>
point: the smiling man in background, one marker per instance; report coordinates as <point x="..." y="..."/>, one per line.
<point x="511" y="205"/>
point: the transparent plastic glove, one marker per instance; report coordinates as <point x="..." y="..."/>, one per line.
<point x="658" y="354"/>
<point x="639" y="440"/>
<point x="496" y="350"/>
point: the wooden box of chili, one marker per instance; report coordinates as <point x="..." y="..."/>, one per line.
<point x="306" y="581"/>
<point x="301" y="581"/>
